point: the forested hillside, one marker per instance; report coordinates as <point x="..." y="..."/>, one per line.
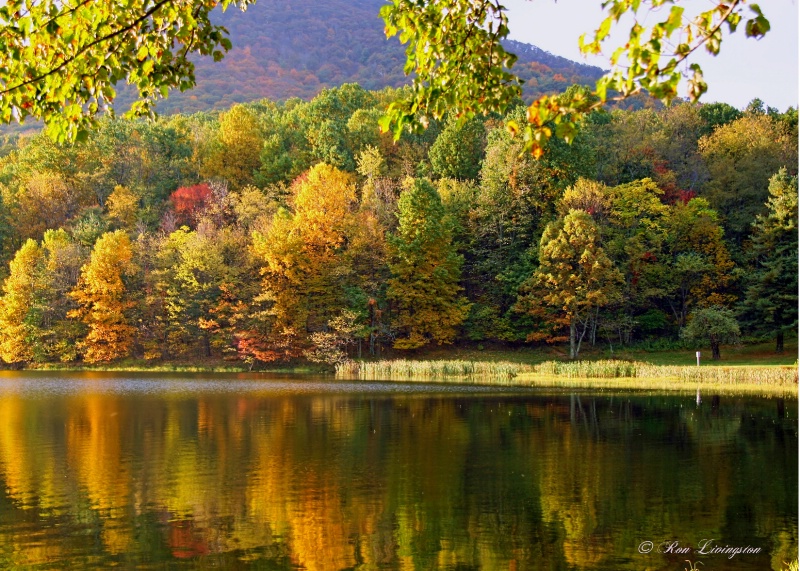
<point x="276" y="231"/>
<point x="298" y="47"/>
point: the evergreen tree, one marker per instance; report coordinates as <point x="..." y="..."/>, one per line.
<point x="770" y="305"/>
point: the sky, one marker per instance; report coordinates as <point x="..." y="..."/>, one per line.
<point x="744" y="69"/>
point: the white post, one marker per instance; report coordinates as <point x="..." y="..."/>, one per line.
<point x="698" y="358"/>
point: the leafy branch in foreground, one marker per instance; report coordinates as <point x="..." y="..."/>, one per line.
<point x="61" y="62"/>
<point x="460" y="65"/>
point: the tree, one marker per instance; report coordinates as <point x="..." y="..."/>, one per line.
<point x="236" y="154"/>
<point x="123" y="205"/>
<point x="58" y="275"/>
<point x="33" y="310"/>
<point x="52" y="53"/>
<point x="304" y="255"/>
<point x="713" y="324"/>
<point x="514" y="202"/>
<point x="459" y="149"/>
<point x="770" y="304"/>
<point x="575" y="278"/>
<point x="425" y="271"/>
<point x="741" y="157"/>
<point x="103" y="299"/>
<point x="18" y="327"/>
<point x="330" y="347"/>
<point x="701" y="268"/>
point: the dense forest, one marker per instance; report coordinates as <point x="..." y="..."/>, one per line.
<point x="273" y="231"/>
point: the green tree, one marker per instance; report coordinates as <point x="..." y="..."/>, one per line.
<point x="35" y="304"/>
<point x="515" y="200"/>
<point x="713" y="324"/>
<point x="717" y="114"/>
<point x="425" y="271"/>
<point x="575" y="278"/>
<point x="699" y="266"/>
<point x="459" y="149"/>
<point x="770" y="304"/>
<point x="63" y="259"/>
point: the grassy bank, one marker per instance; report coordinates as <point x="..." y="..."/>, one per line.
<point x="605" y="374"/>
<point x="196" y="366"/>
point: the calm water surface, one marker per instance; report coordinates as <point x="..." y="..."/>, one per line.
<point x="243" y="472"/>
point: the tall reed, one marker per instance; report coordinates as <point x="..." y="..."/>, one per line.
<point x="784" y="376"/>
<point x="453" y="371"/>
<point x="627" y="374"/>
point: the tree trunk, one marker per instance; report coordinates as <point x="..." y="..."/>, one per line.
<point x="715" y="349"/>
<point x="572" y="353"/>
<point x="206" y="346"/>
<point x="779" y="342"/>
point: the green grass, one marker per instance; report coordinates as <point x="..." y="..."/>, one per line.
<point x="750" y="354"/>
<point x="758" y="354"/>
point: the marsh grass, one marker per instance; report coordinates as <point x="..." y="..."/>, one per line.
<point x="636" y="374"/>
<point x="135" y="367"/>
<point x="452" y="371"/>
<point x="612" y="369"/>
<point x="605" y="374"/>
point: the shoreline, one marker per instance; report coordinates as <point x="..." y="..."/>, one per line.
<point x="766" y="380"/>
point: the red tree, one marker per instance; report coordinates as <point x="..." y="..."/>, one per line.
<point x="187" y="201"/>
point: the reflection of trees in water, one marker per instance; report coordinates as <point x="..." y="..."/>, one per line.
<point x="331" y="482"/>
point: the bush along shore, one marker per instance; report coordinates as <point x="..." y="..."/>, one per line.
<point x="606" y="374"/>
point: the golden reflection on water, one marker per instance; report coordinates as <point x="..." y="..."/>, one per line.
<point x="335" y="481"/>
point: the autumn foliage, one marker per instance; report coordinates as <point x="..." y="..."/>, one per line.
<point x="103" y="299"/>
<point x="187" y="201"/>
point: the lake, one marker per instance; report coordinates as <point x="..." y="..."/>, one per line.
<point x="164" y="471"/>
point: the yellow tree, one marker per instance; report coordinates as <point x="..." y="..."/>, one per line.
<point x="304" y="253"/>
<point x="236" y="154"/>
<point x="123" y="205"/>
<point x="17" y="327"/>
<point x="574" y="279"/>
<point x="103" y="301"/>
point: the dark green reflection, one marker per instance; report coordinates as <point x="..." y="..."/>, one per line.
<point x="335" y="481"/>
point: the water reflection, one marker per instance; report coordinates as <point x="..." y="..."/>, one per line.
<point x="259" y="478"/>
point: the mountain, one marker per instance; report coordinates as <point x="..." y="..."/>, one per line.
<point x="295" y="48"/>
